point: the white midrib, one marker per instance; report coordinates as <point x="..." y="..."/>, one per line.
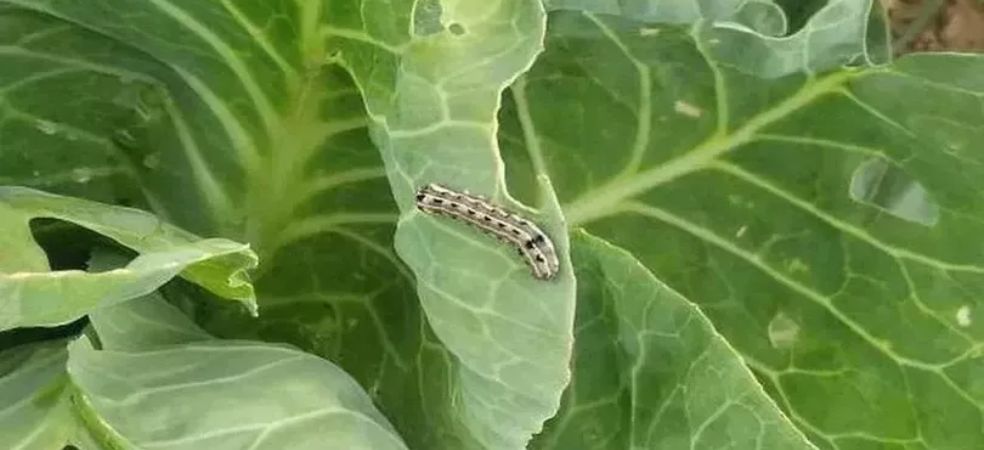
<point x="277" y="183"/>
<point x="276" y="186"/>
<point x="604" y="200"/>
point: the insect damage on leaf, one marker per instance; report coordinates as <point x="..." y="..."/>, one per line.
<point x="530" y="241"/>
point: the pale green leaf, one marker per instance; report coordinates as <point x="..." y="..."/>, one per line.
<point x="855" y="301"/>
<point x="32" y="295"/>
<point x="166" y="384"/>
<point x="835" y="35"/>
<point x="144" y="323"/>
<point x="227" y="394"/>
<point x="34" y="406"/>
<point x="761" y="15"/>
<point x="752" y="35"/>
<point x="433" y="97"/>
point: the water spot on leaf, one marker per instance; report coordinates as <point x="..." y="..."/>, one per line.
<point x="956" y="139"/>
<point x="457" y="29"/>
<point x="797" y="265"/>
<point x="783" y="331"/>
<point x="963" y="316"/>
<point x="884" y="186"/>
<point x="150" y="105"/>
<point x="81" y="174"/>
<point x="739" y="201"/>
<point x="125" y="139"/>
<point x="46" y="127"/>
<point x="687" y="109"/>
<point x="152" y="161"/>
<point x="427" y="18"/>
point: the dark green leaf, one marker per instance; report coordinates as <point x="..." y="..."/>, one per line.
<point x="651" y="372"/>
<point x="826" y="224"/>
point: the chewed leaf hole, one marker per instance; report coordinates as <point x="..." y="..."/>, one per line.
<point x="964" y="316"/>
<point x="783" y="331"/>
<point x="456" y="29"/>
<point x="882" y="185"/>
<point x="427" y="18"/>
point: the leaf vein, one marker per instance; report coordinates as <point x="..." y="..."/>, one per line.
<point x="860" y="234"/>
<point x="713" y="239"/>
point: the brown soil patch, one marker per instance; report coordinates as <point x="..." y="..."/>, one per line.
<point x="936" y="25"/>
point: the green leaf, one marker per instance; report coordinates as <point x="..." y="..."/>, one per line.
<point x="651" y="372"/>
<point x="33" y="295"/>
<point x="34" y="406"/>
<point x="230" y="123"/>
<point x="433" y="97"/>
<point x="254" y="119"/>
<point x="245" y="119"/>
<point x="799" y="11"/>
<point x="204" y="392"/>
<point x="835" y="35"/>
<point x="115" y="132"/>
<point x="762" y="15"/>
<point x="856" y="303"/>
<point x="148" y="322"/>
<point x="751" y="36"/>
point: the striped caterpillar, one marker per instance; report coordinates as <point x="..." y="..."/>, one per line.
<point x="530" y="241"/>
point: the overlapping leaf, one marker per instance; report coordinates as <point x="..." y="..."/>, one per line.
<point x="32" y="295"/>
<point x="160" y="382"/>
<point x="838" y="33"/>
<point x="232" y="118"/>
<point x="754" y="36"/>
<point x="824" y="224"/>
<point x="651" y="372"/>
<point x="240" y="106"/>
<point x="35" y="411"/>
<point x="684" y="11"/>
<point x="433" y="96"/>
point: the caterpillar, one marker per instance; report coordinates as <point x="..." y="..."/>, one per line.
<point x="530" y="241"/>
